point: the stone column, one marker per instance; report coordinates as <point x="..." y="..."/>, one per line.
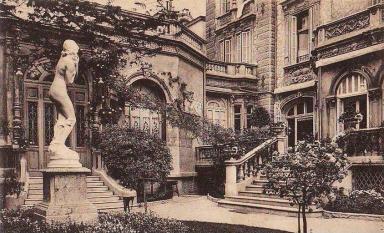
<point x="230" y="178"/>
<point x="281" y="138"/>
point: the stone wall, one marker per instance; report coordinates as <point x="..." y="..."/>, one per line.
<point x="332" y="10"/>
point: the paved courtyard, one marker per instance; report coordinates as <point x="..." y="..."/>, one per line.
<point x="199" y="208"/>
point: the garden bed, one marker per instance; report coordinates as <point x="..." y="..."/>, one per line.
<point x="208" y="227"/>
<point x="371" y="217"/>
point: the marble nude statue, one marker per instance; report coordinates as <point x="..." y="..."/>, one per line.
<point x="66" y="70"/>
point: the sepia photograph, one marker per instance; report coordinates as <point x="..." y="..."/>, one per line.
<point x="191" y="116"/>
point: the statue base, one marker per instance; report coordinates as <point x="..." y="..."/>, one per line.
<point x="65" y="196"/>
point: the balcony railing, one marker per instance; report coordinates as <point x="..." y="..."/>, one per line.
<point x="361" y="21"/>
<point x="180" y="33"/>
<point x="364" y="142"/>
<point x="235" y="69"/>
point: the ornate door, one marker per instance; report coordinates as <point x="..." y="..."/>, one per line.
<point x="40" y="117"/>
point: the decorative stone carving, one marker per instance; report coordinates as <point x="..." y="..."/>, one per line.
<point x="347" y="25"/>
<point x="66" y="70"/>
<point x="298" y="74"/>
<point x="356" y="43"/>
<point x="331" y="101"/>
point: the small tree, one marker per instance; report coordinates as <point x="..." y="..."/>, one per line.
<point x="131" y="154"/>
<point x="305" y="175"/>
<point x="260" y="117"/>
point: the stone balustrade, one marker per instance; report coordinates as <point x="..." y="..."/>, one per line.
<point x="363" y="142"/>
<point x="233" y="69"/>
<point x="347" y="27"/>
<point x="239" y="170"/>
<point x="182" y="34"/>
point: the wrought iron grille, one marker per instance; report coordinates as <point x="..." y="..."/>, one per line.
<point x="364" y="177"/>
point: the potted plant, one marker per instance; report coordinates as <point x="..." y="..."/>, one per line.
<point x="13" y="189"/>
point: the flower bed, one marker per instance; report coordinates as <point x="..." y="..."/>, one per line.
<point x="358" y="201"/>
<point x="23" y="221"/>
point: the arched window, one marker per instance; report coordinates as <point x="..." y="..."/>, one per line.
<point x="216" y="113"/>
<point x="352" y="102"/>
<point x="146" y="119"/>
<point x="299" y="116"/>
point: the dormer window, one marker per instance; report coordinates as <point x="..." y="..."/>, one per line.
<point x="225" y="6"/>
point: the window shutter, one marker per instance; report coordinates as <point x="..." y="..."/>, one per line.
<point x="310" y="28"/>
<point x="293" y="40"/>
<point x="221" y="52"/>
<point x="238" y="47"/>
<point x="287" y="30"/>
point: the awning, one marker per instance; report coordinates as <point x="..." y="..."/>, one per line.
<point x="294" y="87"/>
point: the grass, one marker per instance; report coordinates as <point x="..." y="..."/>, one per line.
<point x="207" y="227"/>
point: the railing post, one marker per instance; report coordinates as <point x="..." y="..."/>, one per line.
<point x="230" y="178"/>
<point x="23" y="168"/>
<point x="281" y="138"/>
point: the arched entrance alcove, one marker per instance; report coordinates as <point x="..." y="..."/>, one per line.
<point x="298" y="114"/>
<point x="149" y="120"/>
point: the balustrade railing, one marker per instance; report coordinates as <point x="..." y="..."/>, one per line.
<point x="367" y="19"/>
<point x="231" y="68"/>
<point x="363" y="142"/>
<point x="247" y="166"/>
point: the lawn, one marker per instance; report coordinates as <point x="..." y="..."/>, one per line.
<point x="207" y="227"/>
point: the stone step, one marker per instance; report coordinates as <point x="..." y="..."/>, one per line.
<point x="35" y="196"/>
<point x="93" y="178"/>
<point x="103" y="199"/>
<point x="95" y="184"/>
<point x="35" y="180"/>
<point x="254" y="187"/>
<point x="35" y="191"/>
<point x="32" y="201"/>
<point x="35" y="186"/>
<point x="109" y="205"/>
<point x="253" y="193"/>
<point x="260" y="200"/>
<point x="97" y="189"/>
<point x="99" y="194"/>
<point x="266" y="209"/>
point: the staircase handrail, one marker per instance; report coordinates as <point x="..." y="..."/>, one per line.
<point x="114" y="186"/>
<point x="251" y="153"/>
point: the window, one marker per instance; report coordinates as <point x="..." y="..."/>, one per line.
<point x="216" y="114"/>
<point x="237" y="117"/>
<point x="243" y="47"/>
<point x="352" y="99"/>
<point x="303" y="36"/>
<point x="225" y="6"/>
<point x="298" y="37"/>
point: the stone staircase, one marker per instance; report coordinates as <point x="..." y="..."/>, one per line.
<point x="97" y="193"/>
<point x="252" y="199"/>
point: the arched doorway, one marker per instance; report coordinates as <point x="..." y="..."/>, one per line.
<point x="149" y="120"/>
<point x="40" y="115"/>
<point x="299" y="118"/>
<point x="352" y="99"/>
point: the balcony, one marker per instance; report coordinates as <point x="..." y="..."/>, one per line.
<point x="247" y="8"/>
<point x="365" y="146"/>
<point x="180" y="33"/>
<point x="352" y="33"/>
<point x="233" y="70"/>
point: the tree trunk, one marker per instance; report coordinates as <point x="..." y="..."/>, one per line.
<point x="298" y="219"/>
<point x="305" y="230"/>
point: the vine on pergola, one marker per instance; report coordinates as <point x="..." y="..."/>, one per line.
<point x="110" y="34"/>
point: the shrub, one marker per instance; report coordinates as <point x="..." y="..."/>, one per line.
<point x="24" y="220"/>
<point x="358" y="201"/>
<point x="131" y="154"/>
<point x="260" y="117"/>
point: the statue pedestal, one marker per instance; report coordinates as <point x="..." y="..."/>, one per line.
<point x="65" y="196"/>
